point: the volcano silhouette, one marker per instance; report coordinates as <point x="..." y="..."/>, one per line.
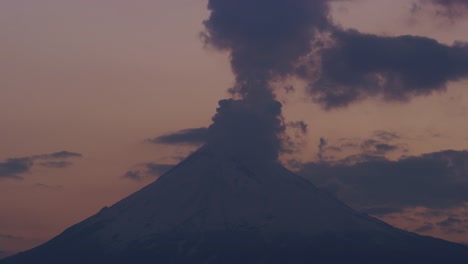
<point x="215" y="209"/>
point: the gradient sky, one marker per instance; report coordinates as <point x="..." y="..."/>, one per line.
<point x="99" y="77"/>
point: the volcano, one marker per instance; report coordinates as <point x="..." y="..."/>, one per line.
<point x="215" y="209"/>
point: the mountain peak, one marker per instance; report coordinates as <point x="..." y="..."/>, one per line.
<point x="212" y="207"/>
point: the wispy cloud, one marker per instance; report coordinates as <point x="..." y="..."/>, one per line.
<point x="377" y="146"/>
<point x="9" y="237"/>
<point x="58" y="155"/>
<point x="451" y="9"/>
<point x="190" y="136"/>
<point x="424" y="228"/>
<point x="147" y="170"/>
<point x="433" y="180"/>
<point x="56" y="164"/>
<point x="15" y="168"/>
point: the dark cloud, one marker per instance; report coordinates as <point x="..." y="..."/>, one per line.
<point x="358" y="66"/>
<point x="333" y="148"/>
<point x="359" y="158"/>
<point x="386" y="136"/>
<point x="191" y="136"/>
<point x="424" y="228"/>
<point x="345" y="143"/>
<point x="156" y="169"/>
<point x="59" y="155"/>
<point x="415" y="8"/>
<point x="273" y="40"/>
<point x="451" y="9"/>
<point x="56" y="164"/>
<point x="15" y="167"/>
<point x="375" y="147"/>
<point x="147" y="170"/>
<point x="294" y="139"/>
<point x="450" y="222"/>
<point x="133" y="175"/>
<point x="265" y="40"/>
<point x="321" y="148"/>
<point x="454" y="224"/>
<point x="455" y="230"/>
<point x="435" y="180"/>
<point x="300" y="126"/>
<point x="381" y="210"/>
<point x="247" y="133"/>
<point x="450" y="3"/>
<point x="270" y="40"/>
<point x="289" y="89"/>
<point x="383" y="148"/>
<point x="432" y="213"/>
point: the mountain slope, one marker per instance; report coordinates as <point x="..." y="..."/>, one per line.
<point x="214" y="209"/>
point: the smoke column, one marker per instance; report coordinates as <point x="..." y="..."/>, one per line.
<point x="265" y="39"/>
<point x="270" y="40"/>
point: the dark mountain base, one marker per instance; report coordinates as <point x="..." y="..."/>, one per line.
<point x="214" y="209"/>
<point x="251" y="247"/>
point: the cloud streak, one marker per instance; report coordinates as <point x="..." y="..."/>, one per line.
<point x="424" y="228"/>
<point x="378" y="148"/>
<point x="435" y="180"/>
<point x="386" y="136"/>
<point x="381" y="144"/>
<point x="56" y="164"/>
<point x="190" y="136"/>
<point x="15" y="168"/>
<point x="58" y="155"/>
<point x="147" y="170"/>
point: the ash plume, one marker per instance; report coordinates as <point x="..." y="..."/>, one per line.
<point x="244" y="131"/>
<point x="275" y="40"/>
<point x="265" y="39"/>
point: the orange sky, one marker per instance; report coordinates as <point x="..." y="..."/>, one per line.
<point x="99" y="77"/>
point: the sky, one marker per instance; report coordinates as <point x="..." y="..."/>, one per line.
<point x="98" y="98"/>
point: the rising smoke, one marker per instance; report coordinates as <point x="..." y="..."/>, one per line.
<point x="271" y="40"/>
<point x="265" y="39"/>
